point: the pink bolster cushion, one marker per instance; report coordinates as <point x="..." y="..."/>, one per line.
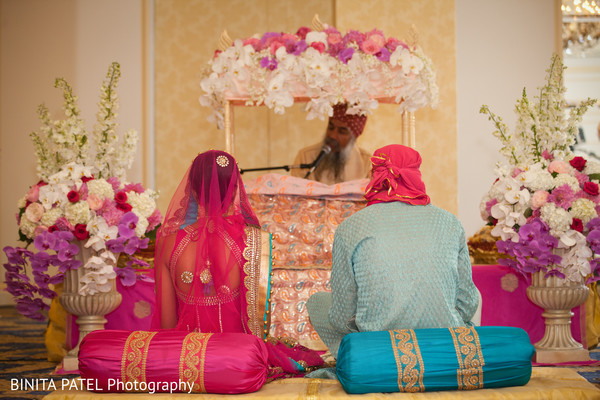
<point x="173" y="361"/>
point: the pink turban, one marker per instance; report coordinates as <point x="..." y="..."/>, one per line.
<point x="396" y="176"/>
<point x="355" y="122"/>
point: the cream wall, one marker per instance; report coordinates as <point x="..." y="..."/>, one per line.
<point x="498" y="48"/>
<point x="41" y="40"/>
<point x="502" y="47"/>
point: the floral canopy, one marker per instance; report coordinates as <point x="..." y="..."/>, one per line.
<point x="319" y="66"/>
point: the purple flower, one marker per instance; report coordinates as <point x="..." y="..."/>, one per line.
<point x="593" y="238"/>
<point x="383" y="55"/>
<point x="66" y="251"/>
<point x="353" y="36"/>
<point x="44" y="241"/>
<point x="69" y="265"/>
<point x="295" y="47"/>
<point x="346" y="54"/>
<point x="127" y="275"/>
<point x="268" y="63"/>
<point x="138" y="262"/>
<point x="127" y="225"/>
<point x="116" y="245"/>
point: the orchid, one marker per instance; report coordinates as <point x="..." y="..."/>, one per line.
<point x="326" y="67"/>
<point x="82" y="201"/>
<point x="545" y="203"/>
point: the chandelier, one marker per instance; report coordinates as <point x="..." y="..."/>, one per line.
<point x="581" y="27"/>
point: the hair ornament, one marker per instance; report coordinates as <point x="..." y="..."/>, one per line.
<point x="222" y="161"/>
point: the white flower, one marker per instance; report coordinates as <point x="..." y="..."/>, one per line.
<point x="27" y="227"/>
<point x="558" y="219"/>
<point x="50" y="216"/>
<point x="520" y="197"/>
<point x="53" y="195"/>
<point x="101" y="188"/>
<point x="566" y="179"/>
<point x="584" y="209"/>
<point x="78" y="213"/>
<point x="315" y="36"/>
<point x="142" y="203"/>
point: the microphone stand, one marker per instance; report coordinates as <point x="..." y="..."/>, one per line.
<point x="285" y="167"/>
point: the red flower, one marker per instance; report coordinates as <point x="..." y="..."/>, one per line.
<point x="73" y="196"/>
<point x="126" y="207"/>
<point x="80" y="232"/>
<point x="121" y="197"/>
<point x="319" y="46"/>
<point x="578" y="163"/>
<point x="85" y="179"/>
<point x="301" y="33"/>
<point x="591" y="188"/>
<point x="577" y="225"/>
<point x="52" y="228"/>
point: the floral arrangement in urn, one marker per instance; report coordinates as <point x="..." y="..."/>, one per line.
<point x="324" y="66"/>
<point x="544" y="205"/>
<point x="82" y="199"/>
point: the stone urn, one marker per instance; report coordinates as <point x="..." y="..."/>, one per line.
<point x="89" y="309"/>
<point x="557" y="297"/>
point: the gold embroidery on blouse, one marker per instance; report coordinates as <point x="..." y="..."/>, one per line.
<point x="470" y="359"/>
<point x="408" y="360"/>
<point x="191" y="361"/>
<point x="252" y="270"/>
<point x="135" y="355"/>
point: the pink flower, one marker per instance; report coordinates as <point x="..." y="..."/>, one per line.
<point x="558" y="166"/>
<point x="547" y="155"/>
<point x="489" y="205"/>
<point x="275" y="44"/>
<point x="334" y="38"/>
<point x="370" y="47"/>
<point x="252" y="41"/>
<point x="289" y="36"/>
<point x="63" y="224"/>
<point x="562" y="196"/>
<point x="393" y="43"/>
<point x="153" y="220"/>
<point x="33" y="194"/>
<point x="582" y="178"/>
<point x="95" y="202"/>
<point x="376" y="36"/>
<point x="319" y="46"/>
<point x="301" y="33"/>
<point x="539" y="198"/>
<point x="34" y="212"/>
<point x="39" y="230"/>
<point x="516" y="171"/>
<point x="110" y="213"/>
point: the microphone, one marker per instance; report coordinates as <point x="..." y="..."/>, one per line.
<point x="326" y="149"/>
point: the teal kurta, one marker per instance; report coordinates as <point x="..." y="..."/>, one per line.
<point x="396" y="266"/>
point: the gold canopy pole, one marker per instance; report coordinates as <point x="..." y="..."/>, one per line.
<point x="229" y="128"/>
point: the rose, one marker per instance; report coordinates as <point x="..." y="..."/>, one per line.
<point x="319" y="46"/>
<point x="95" y="202"/>
<point x="591" y="188"/>
<point x="121" y="197"/>
<point x="125" y="207"/>
<point x="369" y="47"/>
<point x="578" y="163"/>
<point x="81" y="232"/>
<point x="558" y="166"/>
<point x="33" y="194"/>
<point x="34" y="212"/>
<point x="539" y="198"/>
<point x="577" y="225"/>
<point x="73" y="196"/>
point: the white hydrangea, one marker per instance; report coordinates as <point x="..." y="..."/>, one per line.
<point x="50" y="216"/>
<point x="540" y="180"/>
<point x="101" y="188"/>
<point x="27" y="227"/>
<point x="78" y="213"/>
<point x="566" y="179"/>
<point x="143" y="205"/>
<point x="558" y="219"/>
<point x="584" y="209"/>
<point x="141" y="226"/>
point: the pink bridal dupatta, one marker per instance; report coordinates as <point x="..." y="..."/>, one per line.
<point x="212" y="263"/>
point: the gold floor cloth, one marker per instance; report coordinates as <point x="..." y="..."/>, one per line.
<point x="546" y="383"/>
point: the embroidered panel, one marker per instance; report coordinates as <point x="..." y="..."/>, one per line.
<point x="408" y="360"/>
<point x="469" y="356"/>
<point x="135" y="355"/>
<point x="192" y="360"/>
